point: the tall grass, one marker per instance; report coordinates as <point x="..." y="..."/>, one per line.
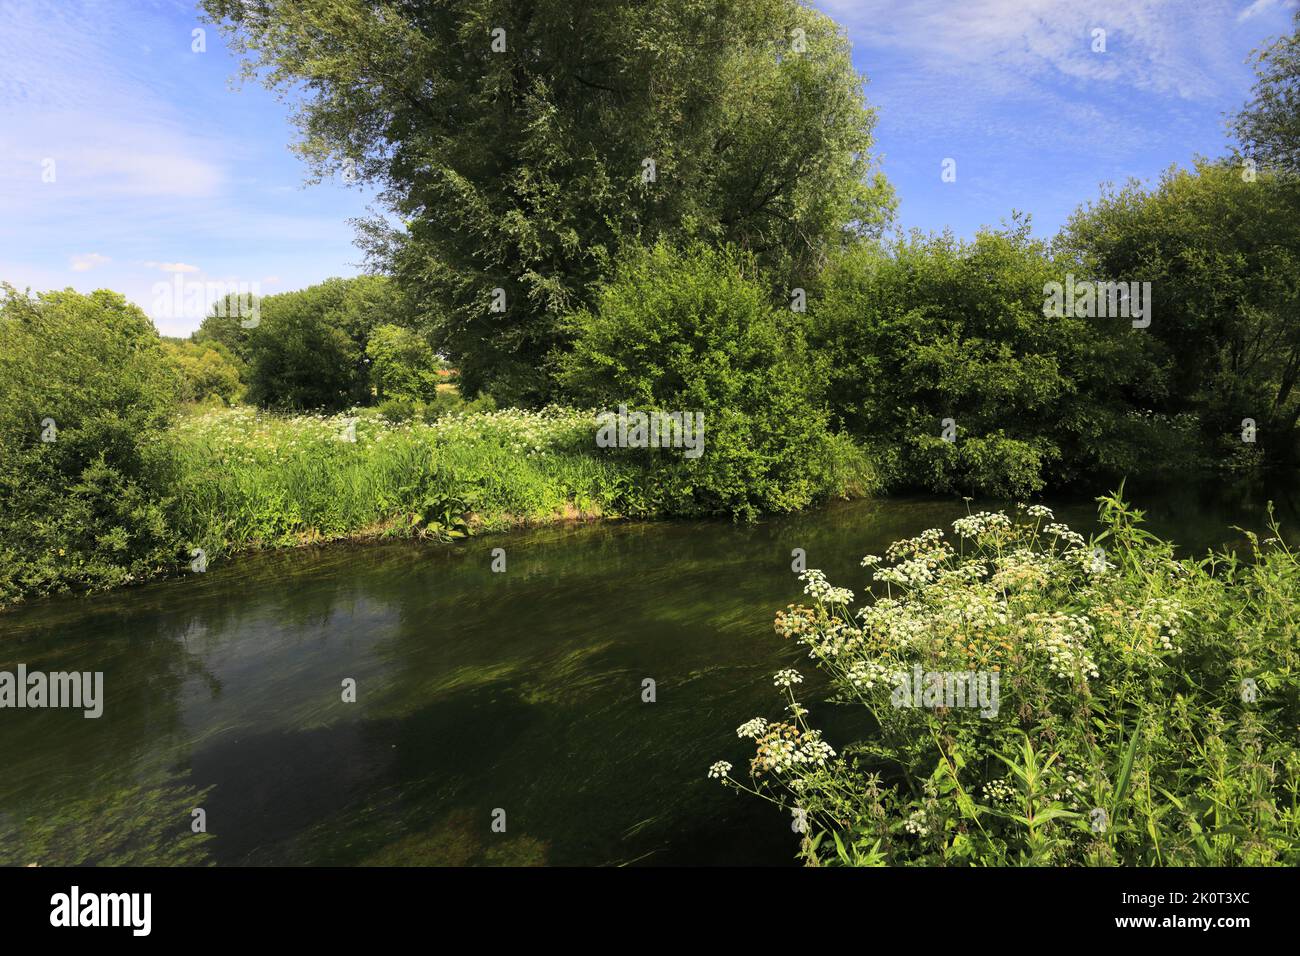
<point x="250" y="480"/>
<point x="1147" y="708"/>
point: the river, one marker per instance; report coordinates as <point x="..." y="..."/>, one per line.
<point x="476" y="692"/>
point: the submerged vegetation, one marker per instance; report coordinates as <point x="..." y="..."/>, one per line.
<point x="1144" y="710"/>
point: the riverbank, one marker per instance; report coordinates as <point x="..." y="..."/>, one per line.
<point x="250" y="480"/>
<point x="240" y="480"/>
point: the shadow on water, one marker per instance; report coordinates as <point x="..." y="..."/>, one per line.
<point x="476" y="691"/>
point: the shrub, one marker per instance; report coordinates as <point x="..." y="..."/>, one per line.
<point x="402" y="365"/>
<point x="85" y="395"/>
<point x="1222" y="253"/>
<point x="693" y="331"/>
<point x="203" y="371"/>
<point x="933" y="329"/>
<point x="398" y="410"/>
<point x="1146" y="708"/>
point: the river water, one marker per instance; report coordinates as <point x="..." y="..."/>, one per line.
<point x="476" y="692"/>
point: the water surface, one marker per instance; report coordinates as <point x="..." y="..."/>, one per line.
<point x="476" y="691"/>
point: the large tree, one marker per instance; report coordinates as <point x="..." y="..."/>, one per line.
<point x="519" y="144"/>
<point x="1221" y="250"/>
<point x="309" y="348"/>
<point x="1269" y="125"/>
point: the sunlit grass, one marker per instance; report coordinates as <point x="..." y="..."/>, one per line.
<point x="259" y="480"/>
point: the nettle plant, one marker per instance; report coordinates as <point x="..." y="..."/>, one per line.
<point x="1147" y="713"/>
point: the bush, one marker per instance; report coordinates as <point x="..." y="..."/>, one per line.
<point x="398" y="410"/>
<point x="204" y="371"/>
<point x="693" y="331"/>
<point x="308" y="350"/>
<point x="85" y="396"/>
<point x="402" y="365"/>
<point x="1145" y="710"/>
<point x="1222" y="253"/>
<point x="934" y="329"/>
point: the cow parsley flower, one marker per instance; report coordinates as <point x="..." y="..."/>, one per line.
<point x="984" y="523"/>
<point x="818" y="587"/>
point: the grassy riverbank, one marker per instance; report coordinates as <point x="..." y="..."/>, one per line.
<point x="247" y="480"/>
<point x="235" y="479"/>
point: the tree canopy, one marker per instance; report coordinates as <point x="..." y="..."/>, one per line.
<point x="1220" y="249"/>
<point x="1269" y="125"/>
<point x="519" y="144"/>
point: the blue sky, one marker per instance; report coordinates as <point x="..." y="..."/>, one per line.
<point x="162" y="168"/>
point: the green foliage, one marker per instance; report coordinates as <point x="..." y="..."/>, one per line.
<point x="446" y="401"/>
<point x="268" y="481"/>
<point x="441" y="516"/>
<point x="1222" y="254"/>
<point x="932" y="329"/>
<point x="1146" y="712"/>
<point x="524" y="169"/>
<point x="204" y="370"/>
<point x="227" y="326"/>
<point x="402" y="365"/>
<point x="85" y="508"/>
<point x="1269" y="125"/>
<point x="309" y="347"/>
<point x="258" y="481"/>
<point x="693" y="331"/>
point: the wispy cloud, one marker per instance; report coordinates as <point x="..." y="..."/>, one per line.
<point x="1040" y="101"/>
<point x="1263" y="6"/>
<point x="69" y="94"/>
<point x="1164" y="46"/>
<point x="172" y="266"/>
<point x="87" y="261"/>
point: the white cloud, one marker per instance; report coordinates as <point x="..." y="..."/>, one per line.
<point x="173" y="266"/>
<point x="1262" y="6"/>
<point x="1163" y="46"/>
<point x="68" y="94"/>
<point x="87" y="261"/>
